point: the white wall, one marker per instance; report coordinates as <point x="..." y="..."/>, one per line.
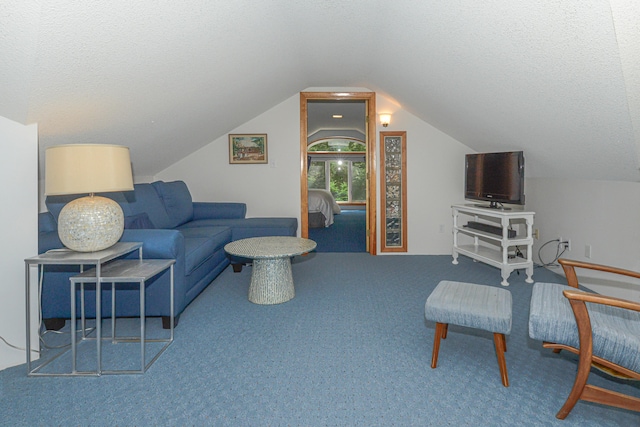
<point x="602" y="214"/>
<point x="19" y="172"/>
<point x="435" y="180"/>
<point x="271" y="189"/>
<point x="434" y="172"/>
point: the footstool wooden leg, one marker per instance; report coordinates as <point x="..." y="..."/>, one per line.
<point x="441" y="332"/>
<point x="457" y="303"/>
<point x="501" y="347"/>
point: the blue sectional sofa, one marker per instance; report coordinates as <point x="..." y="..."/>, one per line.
<point x="170" y="225"/>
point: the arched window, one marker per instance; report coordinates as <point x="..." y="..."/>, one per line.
<point x="337" y="144"/>
<point x="338" y="165"/>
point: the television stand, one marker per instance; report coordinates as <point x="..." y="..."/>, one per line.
<point x="496" y="205"/>
<point x="504" y="251"/>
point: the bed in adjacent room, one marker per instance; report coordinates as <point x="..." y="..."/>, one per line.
<point x="322" y="208"/>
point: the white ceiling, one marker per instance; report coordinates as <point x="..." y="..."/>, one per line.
<point x="559" y="79"/>
<point x="352" y="118"/>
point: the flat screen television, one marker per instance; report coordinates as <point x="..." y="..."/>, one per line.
<point x="495" y="178"/>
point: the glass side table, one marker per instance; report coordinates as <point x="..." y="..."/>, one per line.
<point x="120" y="272"/>
<point x="69" y="257"/>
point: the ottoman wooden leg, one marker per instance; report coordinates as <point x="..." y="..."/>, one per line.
<point x="441" y="332"/>
<point x="501" y="347"/>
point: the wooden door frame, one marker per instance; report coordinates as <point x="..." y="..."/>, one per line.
<point x="370" y="101"/>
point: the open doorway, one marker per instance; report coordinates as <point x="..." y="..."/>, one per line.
<point x="338" y="157"/>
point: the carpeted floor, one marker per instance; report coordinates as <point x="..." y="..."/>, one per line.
<point x="346" y="234"/>
<point x="351" y="349"/>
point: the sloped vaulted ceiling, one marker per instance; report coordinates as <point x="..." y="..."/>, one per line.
<point x="558" y="79"/>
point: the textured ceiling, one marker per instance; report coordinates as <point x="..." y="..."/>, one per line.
<point x="558" y="79"/>
<point x="352" y="118"/>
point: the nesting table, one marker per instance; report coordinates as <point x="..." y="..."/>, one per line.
<point x="119" y="272"/>
<point x="271" y="277"/>
<point x="107" y="268"/>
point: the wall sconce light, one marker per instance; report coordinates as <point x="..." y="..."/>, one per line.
<point x="385" y="119"/>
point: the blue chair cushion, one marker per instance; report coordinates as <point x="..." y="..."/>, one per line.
<point x="616" y="331"/>
<point x="468" y="304"/>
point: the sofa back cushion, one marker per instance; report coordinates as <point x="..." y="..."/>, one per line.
<point x="138" y="221"/>
<point x="56" y="203"/>
<point x="167" y="204"/>
<point x="46" y="222"/>
<point x="177" y="201"/>
<point x="143" y="199"/>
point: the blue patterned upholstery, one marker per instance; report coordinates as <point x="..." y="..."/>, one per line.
<point x="468" y="304"/>
<point x="164" y="218"/>
<point x="616" y="331"/>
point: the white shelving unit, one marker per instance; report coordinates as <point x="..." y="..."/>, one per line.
<point x="501" y="251"/>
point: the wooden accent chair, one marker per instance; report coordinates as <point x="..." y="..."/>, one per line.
<point x="607" y="334"/>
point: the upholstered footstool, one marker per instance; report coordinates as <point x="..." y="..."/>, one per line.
<point x="473" y="306"/>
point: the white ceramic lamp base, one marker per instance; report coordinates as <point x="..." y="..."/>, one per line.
<point x="90" y="224"/>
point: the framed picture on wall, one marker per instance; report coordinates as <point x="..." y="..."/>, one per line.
<point x="248" y="148"/>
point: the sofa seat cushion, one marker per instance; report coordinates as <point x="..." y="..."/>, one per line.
<point x="201" y="243"/>
<point x="616" y="331"/>
<point x="251" y="227"/>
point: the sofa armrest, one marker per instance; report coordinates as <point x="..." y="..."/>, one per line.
<point x="219" y="210"/>
<point x="163" y="244"/>
<point x="157" y="243"/>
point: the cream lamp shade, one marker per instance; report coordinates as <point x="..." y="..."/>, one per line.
<point x="91" y="223"/>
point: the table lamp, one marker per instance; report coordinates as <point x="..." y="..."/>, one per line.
<point x="90" y="223"/>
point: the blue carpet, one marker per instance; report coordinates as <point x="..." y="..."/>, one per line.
<point x="351" y="349"/>
<point x="347" y="234"/>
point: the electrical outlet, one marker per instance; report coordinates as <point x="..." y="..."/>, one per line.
<point x="536" y="234"/>
<point x="587" y="251"/>
<point x="564" y="243"/>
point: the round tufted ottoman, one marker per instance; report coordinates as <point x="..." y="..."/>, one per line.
<point x="473" y="306"/>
